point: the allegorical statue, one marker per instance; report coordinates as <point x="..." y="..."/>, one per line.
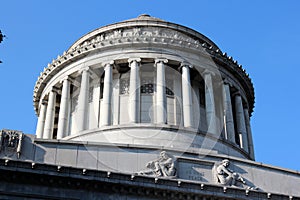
<point x="225" y="176"/>
<point x="163" y="166"/>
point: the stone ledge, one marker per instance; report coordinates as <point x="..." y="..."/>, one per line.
<point x="18" y="173"/>
<point x="192" y="151"/>
<point x="161" y="127"/>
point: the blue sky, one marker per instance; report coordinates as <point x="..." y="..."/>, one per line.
<point x="263" y="36"/>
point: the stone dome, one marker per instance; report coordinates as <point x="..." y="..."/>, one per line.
<point x="147" y="82"/>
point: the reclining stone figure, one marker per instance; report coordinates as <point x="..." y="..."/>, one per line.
<point x="225" y="176"/>
<point x="163" y="166"/>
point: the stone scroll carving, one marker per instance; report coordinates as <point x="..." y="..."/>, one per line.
<point x="11" y="142"/>
<point x="140" y="32"/>
<point x="223" y="175"/>
<point x="164" y="166"/>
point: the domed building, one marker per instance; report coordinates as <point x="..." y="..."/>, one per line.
<point x="141" y="109"/>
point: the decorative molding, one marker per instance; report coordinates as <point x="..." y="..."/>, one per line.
<point x="137" y="33"/>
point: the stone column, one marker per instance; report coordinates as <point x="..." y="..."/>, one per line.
<point x="210" y="103"/>
<point x="249" y="133"/>
<point x="83" y="98"/>
<point x="134" y="90"/>
<point x="227" y="105"/>
<point x="107" y="92"/>
<point x="63" y="117"/>
<point x="186" y="96"/>
<point x="240" y="122"/>
<point x="50" y="115"/>
<point x="41" y="120"/>
<point x="161" y="112"/>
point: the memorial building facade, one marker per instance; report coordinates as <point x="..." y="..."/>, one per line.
<point x="141" y="109"/>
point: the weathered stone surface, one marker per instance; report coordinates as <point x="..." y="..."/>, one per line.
<point x="141" y="109"/>
<point x="191" y="166"/>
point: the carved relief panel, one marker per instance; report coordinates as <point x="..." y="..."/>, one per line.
<point x="11" y="142"/>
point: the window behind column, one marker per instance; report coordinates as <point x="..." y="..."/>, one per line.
<point x="94" y="95"/>
<point x="171" y="103"/>
<point x="147" y="93"/>
<point x="73" y="107"/>
<point x="124" y="97"/>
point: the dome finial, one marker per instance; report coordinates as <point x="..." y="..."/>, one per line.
<point x="144" y="15"/>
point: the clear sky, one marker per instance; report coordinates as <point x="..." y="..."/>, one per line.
<point x="263" y="36"/>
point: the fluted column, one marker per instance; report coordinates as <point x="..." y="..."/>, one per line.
<point x="50" y="115"/>
<point x="107" y="92"/>
<point x="186" y="96"/>
<point x="240" y="122"/>
<point x="134" y="90"/>
<point x="41" y="120"/>
<point x="63" y="117"/>
<point x="227" y="105"/>
<point x="161" y="113"/>
<point x="83" y="99"/>
<point x="249" y="133"/>
<point x="210" y="103"/>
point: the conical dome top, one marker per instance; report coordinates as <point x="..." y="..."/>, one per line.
<point x="145" y="17"/>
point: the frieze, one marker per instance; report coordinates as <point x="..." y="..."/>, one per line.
<point x="11" y="142"/>
<point x="145" y="32"/>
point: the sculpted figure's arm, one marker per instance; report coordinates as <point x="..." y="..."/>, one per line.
<point x="167" y="161"/>
<point x="226" y="171"/>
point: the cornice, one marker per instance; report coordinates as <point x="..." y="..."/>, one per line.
<point x="60" y="176"/>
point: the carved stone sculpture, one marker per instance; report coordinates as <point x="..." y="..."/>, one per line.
<point x="225" y="176"/>
<point x="163" y="166"/>
<point x="10" y="142"/>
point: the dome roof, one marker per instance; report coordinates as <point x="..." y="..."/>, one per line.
<point x="144" y="20"/>
<point x="145" y="17"/>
